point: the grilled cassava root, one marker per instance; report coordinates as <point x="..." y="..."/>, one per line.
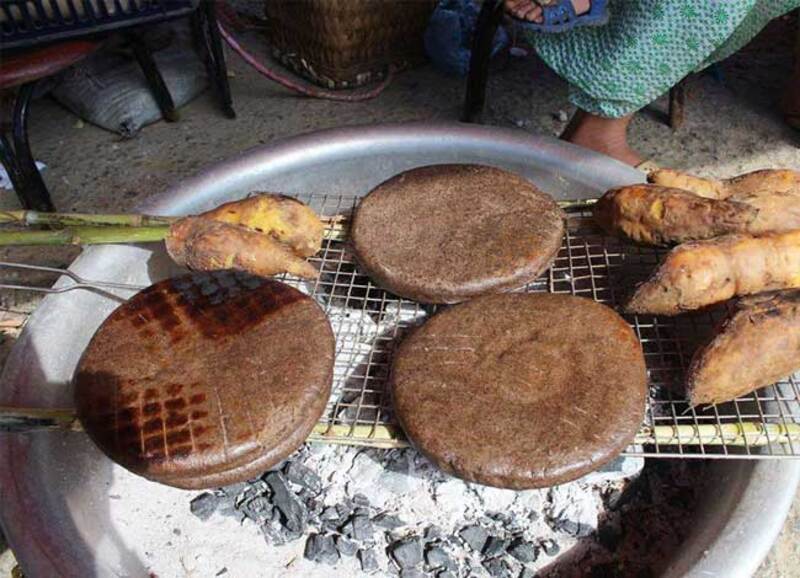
<point x="701" y="273"/>
<point x="727" y="368"/>
<point x="659" y="215"/>
<point x="756" y="182"/>
<point x="263" y="234"/>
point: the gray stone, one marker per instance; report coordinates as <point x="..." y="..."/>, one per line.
<point x="204" y="505"/>
<point x="498" y="568"/>
<point x="407" y="553"/>
<point x="494" y="546"/>
<point x="411" y="573"/>
<point x="445" y="574"/>
<point x="293" y="512"/>
<point x="358" y="527"/>
<point x="475" y="536"/>
<point x="389" y="521"/>
<point x="522" y="550"/>
<point x="322" y="549"/>
<point x="437" y="557"/>
<point x="304" y="477"/>
<point x="551" y="547"/>
<point x="344" y="510"/>
<point x="369" y="563"/>
<point x="345" y="546"/>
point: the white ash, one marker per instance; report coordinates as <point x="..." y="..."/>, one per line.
<point x="397" y="511"/>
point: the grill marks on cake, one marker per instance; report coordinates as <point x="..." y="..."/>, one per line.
<point x="145" y="425"/>
<point x="216" y="306"/>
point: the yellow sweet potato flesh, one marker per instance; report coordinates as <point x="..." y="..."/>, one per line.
<point x="756" y="346"/>
<point x="701" y="273"/>
<point x="285" y="219"/>
<point x="201" y="244"/>
<point x="660" y="215"/>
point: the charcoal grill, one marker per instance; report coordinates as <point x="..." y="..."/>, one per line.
<point x="330" y="170"/>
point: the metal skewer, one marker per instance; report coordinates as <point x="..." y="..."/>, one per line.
<point x="78" y="281"/>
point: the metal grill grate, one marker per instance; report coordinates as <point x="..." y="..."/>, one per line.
<point x="368" y="322"/>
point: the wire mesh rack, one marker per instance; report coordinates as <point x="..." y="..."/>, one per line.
<point x="369" y="322"/>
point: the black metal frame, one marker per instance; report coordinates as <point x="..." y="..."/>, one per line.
<point x="489" y="19"/>
<point x="15" y="154"/>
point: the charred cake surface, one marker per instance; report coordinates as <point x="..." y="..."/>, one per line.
<point x="203" y="379"/>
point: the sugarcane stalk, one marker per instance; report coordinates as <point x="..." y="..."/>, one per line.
<point x="33" y="218"/>
<point x="84" y="235"/>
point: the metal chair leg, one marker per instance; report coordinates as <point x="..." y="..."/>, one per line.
<point x="30" y="188"/>
<point x="208" y="36"/>
<point x="485" y="29"/>
<point x="154" y="79"/>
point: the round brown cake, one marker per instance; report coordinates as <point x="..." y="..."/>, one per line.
<point x="206" y="379"/>
<point x="521" y="390"/>
<point x="446" y="233"/>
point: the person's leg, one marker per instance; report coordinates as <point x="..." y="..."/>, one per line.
<point x="602" y="134"/>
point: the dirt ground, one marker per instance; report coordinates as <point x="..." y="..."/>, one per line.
<point x="732" y="125"/>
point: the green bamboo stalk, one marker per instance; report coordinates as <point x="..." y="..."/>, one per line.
<point x="84" y="235"/>
<point x="32" y="218"/>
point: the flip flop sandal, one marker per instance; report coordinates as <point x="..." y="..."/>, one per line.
<point x="560" y="16"/>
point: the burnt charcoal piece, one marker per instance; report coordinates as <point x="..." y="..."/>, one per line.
<point x="345" y="546"/>
<point x="321" y="548"/>
<point x="293" y="512"/>
<point x="498" y="568"/>
<point x="550" y="547"/>
<point x="358" y="527"/>
<point x="494" y="546"/>
<point x="299" y="474"/>
<point x="388" y="521"/>
<point x="411" y="573"/>
<point x="407" y="553"/>
<point x="474" y="536"/>
<point x="436" y="557"/>
<point x="433" y="533"/>
<point x="522" y="550"/>
<point x="369" y="563"/>
<point x="204" y="505"/>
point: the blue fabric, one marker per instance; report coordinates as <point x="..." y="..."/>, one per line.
<point x="448" y="38"/>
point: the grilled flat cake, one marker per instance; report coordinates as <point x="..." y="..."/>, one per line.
<point x="206" y="379"/>
<point x="521" y="390"/>
<point x="446" y="233"/>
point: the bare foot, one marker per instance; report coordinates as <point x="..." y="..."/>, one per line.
<point x="532" y="12"/>
<point x="604" y="135"/>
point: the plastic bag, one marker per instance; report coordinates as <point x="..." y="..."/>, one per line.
<point x="448" y="38"/>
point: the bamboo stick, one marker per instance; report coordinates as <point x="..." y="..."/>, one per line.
<point x="84" y="235"/>
<point x="750" y="434"/>
<point x="32" y="218"/>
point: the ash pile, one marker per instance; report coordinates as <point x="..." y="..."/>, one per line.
<point x="351" y="511"/>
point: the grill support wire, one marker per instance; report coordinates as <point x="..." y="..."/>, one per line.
<point x="368" y="322"/>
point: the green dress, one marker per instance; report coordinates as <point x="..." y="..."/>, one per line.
<point x="648" y="46"/>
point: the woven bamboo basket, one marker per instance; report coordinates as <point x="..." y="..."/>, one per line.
<point x="347" y="43"/>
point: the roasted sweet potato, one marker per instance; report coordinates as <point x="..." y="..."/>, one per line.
<point x="701" y="273"/>
<point x="756" y="182"/>
<point x="285" y="219"/>
<point x="661" y="215"/>
<point x="206" y="245"/>
<point x="776" y="212"/>
<point x="726" y="368"/>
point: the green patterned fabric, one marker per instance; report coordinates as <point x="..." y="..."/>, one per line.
<point x="648" y="46"/>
